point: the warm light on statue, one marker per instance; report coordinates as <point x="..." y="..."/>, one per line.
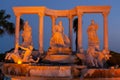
<point x="19" y="62"/>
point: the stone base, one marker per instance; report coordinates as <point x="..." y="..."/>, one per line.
<point x="51" y="71"/>
<point x="60" y="58"/>
<point x="59" y="51"/>
<point x="59" y="71"/>
<point x="102" y="73"/>
<point x="40" y="71"/>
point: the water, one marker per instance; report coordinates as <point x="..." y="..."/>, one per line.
<point x="43" y="78"/>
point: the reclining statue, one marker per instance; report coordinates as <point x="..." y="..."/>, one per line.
<point x="26" y="56"/>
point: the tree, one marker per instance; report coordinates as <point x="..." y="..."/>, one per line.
<point x="75" y="28"/>
<point x="6" y="26"/>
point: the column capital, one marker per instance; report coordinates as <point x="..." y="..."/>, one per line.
<point x="79" y="13"/>
<point x="105" y="13"/>
<point x="53" y="17"/>
<point x="18" y="14"/>
<point x="70" y="16"/>
<point x="41" y="14"/>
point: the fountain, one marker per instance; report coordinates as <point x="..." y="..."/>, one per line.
<point x="59" y="60"/>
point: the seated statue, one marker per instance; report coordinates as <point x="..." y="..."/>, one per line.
<point x="27" y="35"/>
<point x="92" y="35"/>
<point x="59" y="42"/>
<point x="59" y="39"/>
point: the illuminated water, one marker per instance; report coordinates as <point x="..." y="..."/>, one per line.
<point x="41" y="78"/>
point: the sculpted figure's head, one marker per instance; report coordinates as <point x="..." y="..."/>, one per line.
<point x="92" y="21"/>
<point x="26" y="22"/>
<point x="60" y="23"/>
<point x="25" y="25"/>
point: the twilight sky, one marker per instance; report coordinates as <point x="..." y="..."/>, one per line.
<point x="7" y="42"/>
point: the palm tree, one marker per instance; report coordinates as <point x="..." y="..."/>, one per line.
<point x="6" y="26"/>
<point x="75" y="27"/>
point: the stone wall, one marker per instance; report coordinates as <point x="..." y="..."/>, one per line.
<point x="28" y="70"/>
<point x="102" y="73"/>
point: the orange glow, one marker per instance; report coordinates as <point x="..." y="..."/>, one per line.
<point x="19" y="62"/>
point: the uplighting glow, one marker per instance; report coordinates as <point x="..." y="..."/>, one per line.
<point x="19" y="62"/>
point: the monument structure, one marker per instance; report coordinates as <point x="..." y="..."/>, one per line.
<point x="61" y="45"/>
<point x="54" y="14"/>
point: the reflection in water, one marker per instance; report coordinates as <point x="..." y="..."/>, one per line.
<point x="42" y="78"/>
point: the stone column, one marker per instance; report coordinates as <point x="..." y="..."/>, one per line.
<point x="70" y="30"/>
<point x="41" y="24"/>
<point x="79" y="35"/>
<point x="17" y="32"/>
<point x="105" y="19"/>
<point x="53" y="22"/>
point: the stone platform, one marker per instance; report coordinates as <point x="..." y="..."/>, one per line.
<point x="60" y="58"/>
<point x="59" y="51"/>
<point x="102" y="73"/>
<point x="40" y="71"/>
<point x="59" y="71"/>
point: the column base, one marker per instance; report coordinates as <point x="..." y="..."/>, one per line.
<point x="80" y="50"/>
<point x="16" y="50"/>
<point x="106" y="51"/>
<point x="41" y="51"/>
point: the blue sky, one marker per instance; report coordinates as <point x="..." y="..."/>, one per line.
<point x="7" y="42"/>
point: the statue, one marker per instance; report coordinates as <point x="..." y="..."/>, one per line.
<point x="92" y="57"/>
<point x="13" y="56"/>
<point x="59" y="39"/>
<point x="26" y="56"/>
<point x="27" y="35"/>
<point x="93" y="39"/>
<point x="27" y="53"/>
<point x="32" y="60"/>
<point x="93" y="44"/>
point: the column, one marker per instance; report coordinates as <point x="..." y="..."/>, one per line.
<point x="41" y="18"/>
<point x="105" y="22"/>
<point x="79" y="35"/>
<point x="53" y="22"/>
<point x="70" y="30"/>
<point x="17" y="28"/>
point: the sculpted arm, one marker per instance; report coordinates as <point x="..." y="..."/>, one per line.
<point x="21" y="47"/>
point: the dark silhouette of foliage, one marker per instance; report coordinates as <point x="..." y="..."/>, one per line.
<point x="2" y="57"/>
<point x="114" y="59"/>
<point x="75" y="28"/>
<point x="6" y="26"/>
